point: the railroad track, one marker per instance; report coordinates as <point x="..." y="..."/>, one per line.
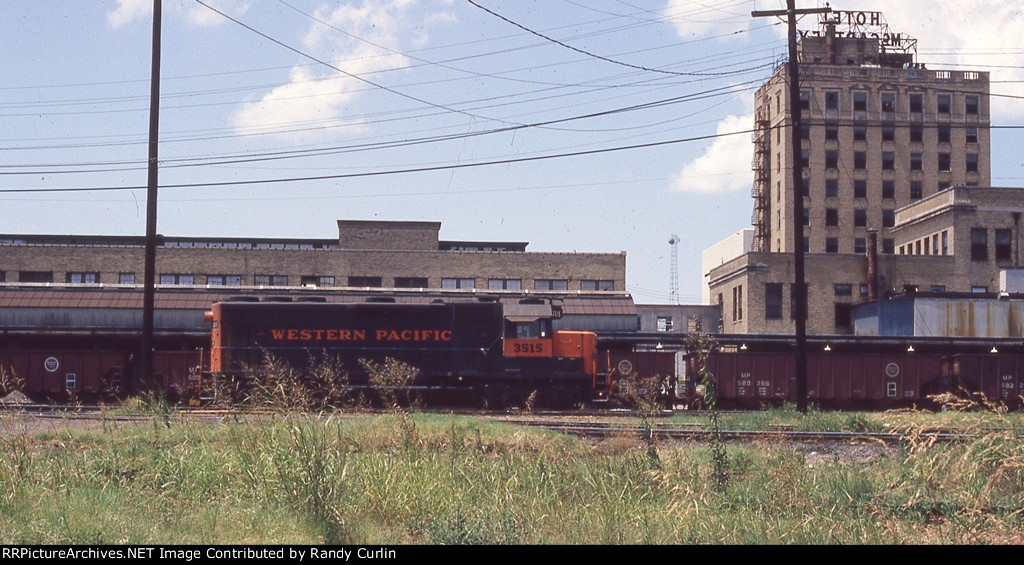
<point x="590" y="424"/>
<point x="698" y="432"/>
<point x="701" y="434"/>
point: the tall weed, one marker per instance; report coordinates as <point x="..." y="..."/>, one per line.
<point x="368" y="480"/>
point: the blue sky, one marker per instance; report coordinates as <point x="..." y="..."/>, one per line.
<point x="609" y="125"/>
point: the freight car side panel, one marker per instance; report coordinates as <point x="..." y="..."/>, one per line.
<point x="858" y="379"/>
<point x="915" y="376"/>
<point x="59" y="374"/>
<point x="177" y="373"/>
<point x="624" y="363"/>
<point x="1000" y="378"/>
<point x="769" y="377"/>
<point x="825" y="378"/>
<point x="616" y="365"/>
<point x="778" y="383"/>
<point x="835" y="379"/>
<point x="749" y="378"/>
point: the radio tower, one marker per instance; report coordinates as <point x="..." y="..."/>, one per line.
<point x="673" y="283"/>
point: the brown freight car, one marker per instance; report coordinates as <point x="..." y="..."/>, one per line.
<point x="751" y="379"/>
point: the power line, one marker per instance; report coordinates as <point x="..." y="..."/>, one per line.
<point x="587" y="53"/>
<point x="292" y="130"/>
<point x="342" y="71"/>
<point x="386" y="172"/>
<point x="291" y="154"/>
<point x="407" y="193"/>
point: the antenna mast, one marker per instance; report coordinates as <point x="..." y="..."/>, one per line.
<point x="673" y="283"/>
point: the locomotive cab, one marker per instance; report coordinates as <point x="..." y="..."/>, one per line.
<point x="553" y="360"/>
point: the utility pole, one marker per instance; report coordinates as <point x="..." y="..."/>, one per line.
<point x="149" y="284"/>
<point x="800" y="285"/>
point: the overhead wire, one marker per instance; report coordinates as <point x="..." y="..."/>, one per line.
<point x="299" y="153"/>
<point x="388" y="171"/>
<point x="339" y="69"/>
<point x="588" y="53"/>
<point x="403" y="142"/>
<point x="267" y="131"/>
<point x="536" y="125"/>
<point x="399" y="193"/>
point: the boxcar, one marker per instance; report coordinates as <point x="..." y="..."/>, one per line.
<point x="624" y="366"/>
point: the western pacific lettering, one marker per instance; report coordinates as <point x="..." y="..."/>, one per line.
<point x="321" y="335"/>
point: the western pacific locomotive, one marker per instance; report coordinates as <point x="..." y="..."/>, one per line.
<point x="459" y="349"/>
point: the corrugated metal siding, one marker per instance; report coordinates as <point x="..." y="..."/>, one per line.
<point x="962" y="317"/>
<point x="595" y="323"/>
<point x="941" y="317"/>
<point x="99" y="318"/>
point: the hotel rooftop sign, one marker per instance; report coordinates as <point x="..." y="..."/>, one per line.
<point x="862" y="25"/>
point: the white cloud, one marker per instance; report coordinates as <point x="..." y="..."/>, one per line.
<point x="358" y="38"/>
<point x="978" y="35"/>
<point x="128" y="11"/>
<point x="695" y="19"/>
<point x="725" y="164"/>
<point x="304" y="99"/>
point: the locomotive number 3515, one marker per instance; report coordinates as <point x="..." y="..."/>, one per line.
<point x="528" y="347"/>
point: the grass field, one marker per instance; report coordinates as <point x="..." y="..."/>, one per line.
<point x="435" y="479"/>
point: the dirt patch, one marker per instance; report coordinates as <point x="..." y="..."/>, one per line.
<point x="14" y="423"/>
<point x="832" y="453"/>
<point x="15" y="397"/>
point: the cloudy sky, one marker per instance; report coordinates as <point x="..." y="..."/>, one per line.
<point x="596" y="126"/>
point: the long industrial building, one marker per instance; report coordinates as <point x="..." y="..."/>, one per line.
<point x="89" y="288"/>
<point x="367" y="254"/>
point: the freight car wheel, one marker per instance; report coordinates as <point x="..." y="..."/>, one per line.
<point x="496" y="397"/>
<point x="562" y="397"/>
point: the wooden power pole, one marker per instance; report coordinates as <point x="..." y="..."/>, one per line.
<point x="800" y="286"/>
<point x="149" y="284"/>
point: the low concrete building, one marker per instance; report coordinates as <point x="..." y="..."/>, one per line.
<point x="720" y="253"/>
<point x="978" y="226"/>
<point x="957" y="240"/>
<point x="367" y="254"/>
<point x="678" y="318"/>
